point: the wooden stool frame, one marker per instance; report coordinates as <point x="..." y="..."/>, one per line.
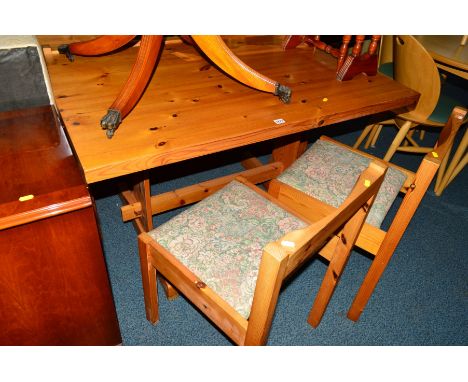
<point x="279" y="260"/>
<point x="380" y="244"/>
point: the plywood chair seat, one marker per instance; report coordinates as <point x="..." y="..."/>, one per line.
<point x="221" y="240"/>
<point x="230" y="253"/>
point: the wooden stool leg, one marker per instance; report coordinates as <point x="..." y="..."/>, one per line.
<point x="376" y="136"/>
<point x="340" y="258"/>
<point x="363" y="135"/>
<point x="397" y="141"/>
<point x="150" y="286"/>
<point x="169" y="290"/>
<point x="451" y="176"/>
<point x="443" y="179"/>
<point x="271" y="273"/>
<point x="135" y="85"/>
<point x="442" y="171"/>
<point x="371" y="136"/>
<point x="94" y="47"/>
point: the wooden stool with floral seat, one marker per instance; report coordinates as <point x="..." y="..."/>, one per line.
<point x="230" y="253"/>
<point x="327" y="172"/>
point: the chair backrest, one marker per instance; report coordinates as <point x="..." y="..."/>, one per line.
<point x="415" y="68"/>
<point x="310" y="239"/>
<point x="386" y="50"/>
<point x="348" y="64"/>
<point x="284" y="256"/>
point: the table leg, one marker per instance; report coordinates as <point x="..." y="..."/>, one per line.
<point x="141" y="194"/>
<point x="218" y="52"/>
<point x="135" y="85"/>
<point x="95" y="46"/>
<point x="287" y="153"/>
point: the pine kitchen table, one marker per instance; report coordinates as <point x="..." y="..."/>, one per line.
<point x="191" y="109"/>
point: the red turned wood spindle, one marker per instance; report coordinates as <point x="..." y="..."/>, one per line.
<point x="317" y="43"/>
<point x="343" y="51"/>
<point x="358" y="45"/>
<point x="373" y="45"/>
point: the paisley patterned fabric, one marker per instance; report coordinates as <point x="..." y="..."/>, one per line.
<point x="328" y="172"/>
<point x="221" y="240"/>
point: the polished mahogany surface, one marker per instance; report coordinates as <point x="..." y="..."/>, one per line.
<point x="54" y="288"/>
<point x="36" y="160"/>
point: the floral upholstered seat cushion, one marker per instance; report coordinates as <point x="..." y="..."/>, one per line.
<point x="328" y="172"/>
<point x="221" y="240"/>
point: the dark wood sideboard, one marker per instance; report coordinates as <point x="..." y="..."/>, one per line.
<point x="54" y="287"/>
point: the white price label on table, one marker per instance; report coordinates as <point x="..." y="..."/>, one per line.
<point x="279" y="121"/>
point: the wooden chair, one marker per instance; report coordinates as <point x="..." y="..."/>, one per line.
<point x="414" y="67"/>
<point x="150" y="47"/>
<point x="457" y="164"/>
<point x="326" y="171"/>
<point x="349" y="64"/>
<point x="230" y="253"/>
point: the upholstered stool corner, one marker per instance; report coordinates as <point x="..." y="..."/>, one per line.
<point x="328" y="172"/>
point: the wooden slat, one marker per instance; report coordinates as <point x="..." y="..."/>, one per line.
<point x="194" y="193"/>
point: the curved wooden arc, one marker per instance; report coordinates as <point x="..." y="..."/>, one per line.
<point x="218" y="52"/>
<point x="135" y="85"/>
<point x="95" y="46"/>
<point x="422" y="77"/>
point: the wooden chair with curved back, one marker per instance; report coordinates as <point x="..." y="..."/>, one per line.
<point x="414" y="67"/>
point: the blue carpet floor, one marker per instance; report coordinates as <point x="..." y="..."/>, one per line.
<point x="422" y="298"/>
